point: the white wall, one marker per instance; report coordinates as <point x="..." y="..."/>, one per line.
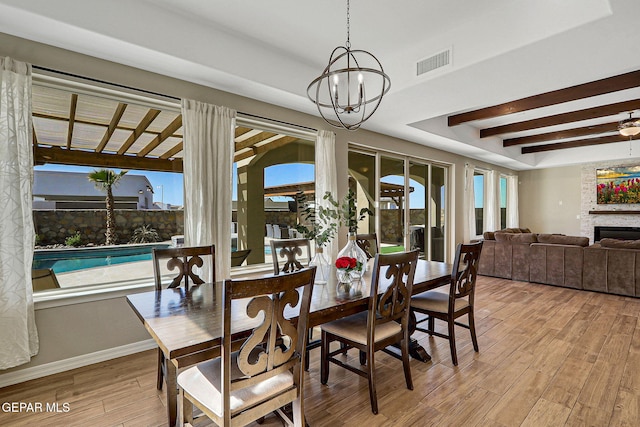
<point x="550" y="200"/>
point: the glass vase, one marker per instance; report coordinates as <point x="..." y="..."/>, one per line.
<point x="352" y="250"/>
<point x="322" y="266"/>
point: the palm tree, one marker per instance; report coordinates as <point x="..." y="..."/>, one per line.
<point x="105" y="180"/>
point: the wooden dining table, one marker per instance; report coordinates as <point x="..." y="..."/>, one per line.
<point x="187" y="324"/>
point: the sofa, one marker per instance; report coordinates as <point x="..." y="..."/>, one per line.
<point x="613" y="266"/>
<point x="518" y="254"/>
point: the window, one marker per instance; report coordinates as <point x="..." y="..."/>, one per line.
<point x="271" y="166"/>
<point x="503" y="202"/>
<point x="408" y="198"/>
<point x="478" y="190"/>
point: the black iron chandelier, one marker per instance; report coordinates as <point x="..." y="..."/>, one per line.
<point x="350" y="88"/>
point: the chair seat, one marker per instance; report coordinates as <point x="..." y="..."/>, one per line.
<point x="203" y="383"/>
<point x="354" y="328"/>
<point x="436" y="301"/>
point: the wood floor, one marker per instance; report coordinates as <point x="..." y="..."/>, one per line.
<point x="548" y="357"/>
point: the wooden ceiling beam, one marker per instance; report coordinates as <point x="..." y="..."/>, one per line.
<point x="249" y="142"/>
<point x="561" y="134"/>
<point x="159" y="139"/>
<point x="59" y="155"/>
<point x="577" y="143"/>
<point x="581" y="91"/>
<point x="113" y="125"/>
<point x="173" y="151"/>
<point x="142" y="126"/>
<point x="72" y="118"/>
<point x="563" y="118"/>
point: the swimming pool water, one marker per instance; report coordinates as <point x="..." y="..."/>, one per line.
<point x="61" y="261"/>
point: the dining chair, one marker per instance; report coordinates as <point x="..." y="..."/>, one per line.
<point x="185" y="259"/>
<point x="458" y="301"/>
<point x="385" y="323"/>
<point x="368" y="243"/>
<point x="287" y="254"/>
<point x="254" y="375"/>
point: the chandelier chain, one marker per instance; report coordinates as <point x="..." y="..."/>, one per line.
<point x="348" y="27"/>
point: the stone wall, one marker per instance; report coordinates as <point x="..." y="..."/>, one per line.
<point x="390" y="226"/>
<point x="589" y="202"/>
<point x="54" y="226"/>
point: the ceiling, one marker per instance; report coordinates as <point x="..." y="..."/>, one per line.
<point x="501" y="51"/>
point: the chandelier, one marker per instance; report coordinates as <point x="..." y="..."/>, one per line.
<point x="629" y="127"/>
<point x="350" y="88"/>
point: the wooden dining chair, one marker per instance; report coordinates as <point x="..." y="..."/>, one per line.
<point x="385" y="323"/>
<point x="287" y="254"/>
<point x="184" y="259"/>
<point x="458" y="301"/>
<point x="254" y="375"/>
<point x="368" y="243"/>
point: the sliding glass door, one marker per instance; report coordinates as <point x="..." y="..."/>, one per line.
<point x="409" y="198"/>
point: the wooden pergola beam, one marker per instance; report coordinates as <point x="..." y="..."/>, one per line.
<point x="249" y="142"/>
<point x="581" y="91"/>
<point x="113" y="125"/>
<point x="173" y="151"/>
<point x="159" y="139"/>
<point x="72" y="118"/>
<point x="284" y="140"/>
<point x="58" y="155"/>
<point x="142" y="126"/>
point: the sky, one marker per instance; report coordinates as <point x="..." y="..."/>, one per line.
<point x="168" y="187"/>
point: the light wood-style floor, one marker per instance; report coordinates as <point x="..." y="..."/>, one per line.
<point x="548" y="357"/>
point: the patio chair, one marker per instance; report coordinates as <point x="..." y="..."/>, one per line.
<point x="43" y="279"/>
<point x="238" y="257"/>
<point x="254" y="375"/>
<point x="184" y="259"/>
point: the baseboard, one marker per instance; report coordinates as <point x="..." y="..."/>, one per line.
<point x="58" y="366"/>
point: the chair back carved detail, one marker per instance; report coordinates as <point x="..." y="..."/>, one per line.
<point x="184" y="259"/>
<point x="290" y="250"/>
<point x="368" y="243"/>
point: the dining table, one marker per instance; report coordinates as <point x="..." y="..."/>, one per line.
<point x="187" y="323"/>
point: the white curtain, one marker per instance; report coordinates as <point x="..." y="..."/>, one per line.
<point x="18" y="334"/>
<point x="326" y="177"/>
<point x="469" y="226"/>
<point x="492" y="208"/>
<point x="513" y="220"/>
<point x="208" y="160"/>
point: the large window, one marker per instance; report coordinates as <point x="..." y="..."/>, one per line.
<point x="138" y="141"/>
<point x="408" y="198"/>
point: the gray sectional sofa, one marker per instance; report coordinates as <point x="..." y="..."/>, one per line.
<point x="610" y="266"/>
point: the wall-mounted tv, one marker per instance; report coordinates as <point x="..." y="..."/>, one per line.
<point x="618" y="185"/>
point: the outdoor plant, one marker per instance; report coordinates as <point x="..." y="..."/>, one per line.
<point x="345" y="212"/>
<point x="144" y="234"/>
<point x="73" y="240"/>
<point x="318" y="225"/>
<point x="105" y="180"/>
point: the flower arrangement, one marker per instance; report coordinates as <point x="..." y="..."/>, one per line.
<point x="318" y="226"/>
<point x="348" y="264"/>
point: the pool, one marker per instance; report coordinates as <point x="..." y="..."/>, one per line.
<point x="65" y="260"/>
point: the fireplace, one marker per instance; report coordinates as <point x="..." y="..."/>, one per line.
<point x="626" y="233"/>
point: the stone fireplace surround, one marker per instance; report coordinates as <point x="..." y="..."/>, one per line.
<point x="591" y="215"/>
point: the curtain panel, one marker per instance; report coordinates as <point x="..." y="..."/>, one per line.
<point x="513" y="220"/>
<point x="208" y="161"/>
<point x="469" y="226"/>
<point x="492" y="209"/>
<point x="18" y="333"/>
<point x="326" y="177"/>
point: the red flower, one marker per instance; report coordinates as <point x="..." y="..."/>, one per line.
<point x="345" y="262"/>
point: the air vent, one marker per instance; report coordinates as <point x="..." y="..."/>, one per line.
<point x="439" y="60"/>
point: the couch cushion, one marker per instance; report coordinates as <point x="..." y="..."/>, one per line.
<point x="515" y="237"/>
<point x="619" y="244"/>
<point x="558" y="239"/>
<point x="490" y="235"/>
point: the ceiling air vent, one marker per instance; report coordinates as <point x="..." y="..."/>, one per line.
<point x="439" y="60"/>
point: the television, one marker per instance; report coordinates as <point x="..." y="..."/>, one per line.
<point x="619" y="185"/>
